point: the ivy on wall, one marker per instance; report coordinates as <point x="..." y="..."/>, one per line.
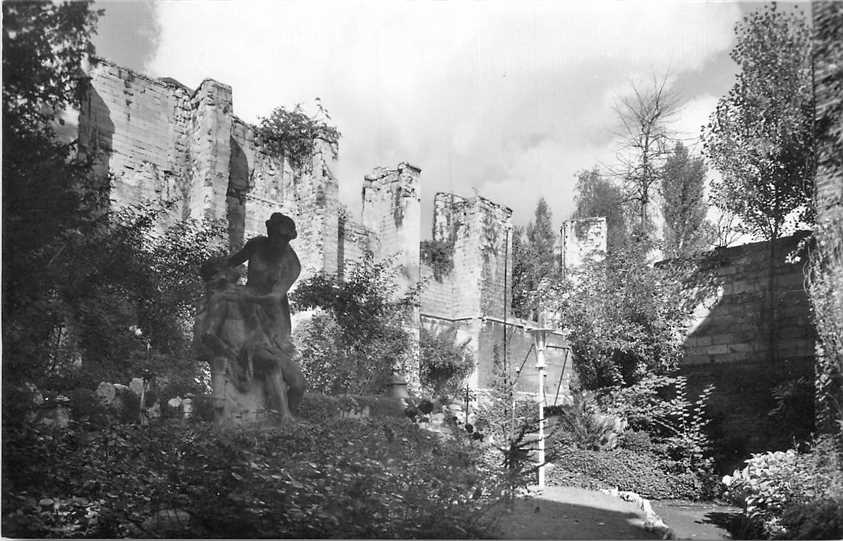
<point x="293" y="135"/>
<point x="439" y="255"/>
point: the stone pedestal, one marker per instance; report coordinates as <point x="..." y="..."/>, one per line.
<point x="233" y="407"/>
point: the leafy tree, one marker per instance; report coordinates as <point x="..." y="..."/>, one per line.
<point x="686" y="230"/>
<point x="294" y="135"/>
<point x="444" y="361"/>
<point x="120" y="274"/>
<point x="598" y="196"/>
<point x="626" y="318"/>
<point x="44" y="185"/>
<point x="521" y="258"/>
<point x="354" y="345"/>
<point x="533" y="260"/>
<point x="644" y="117"/>
<point x="760" y="137"/>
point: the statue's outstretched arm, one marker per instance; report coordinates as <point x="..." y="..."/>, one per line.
<point x="245" y="253"/>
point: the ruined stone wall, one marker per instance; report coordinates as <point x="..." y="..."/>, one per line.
<point x="582" y="240"/>
<point x="729" y="345"/>
<point x="475" y="297"/>
<point x="353" y="240"/>
<point x="392" y="212"/>
<point x="559" y="372"/>
<point x="733" y="326"/>
<point x="160" y="141"/>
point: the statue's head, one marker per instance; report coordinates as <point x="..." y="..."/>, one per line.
<point x="281" y="225"/>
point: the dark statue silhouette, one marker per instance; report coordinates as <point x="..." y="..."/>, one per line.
<point x="244" y="331"/>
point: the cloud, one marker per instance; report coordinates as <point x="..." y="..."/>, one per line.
<point x="508" y="98"/>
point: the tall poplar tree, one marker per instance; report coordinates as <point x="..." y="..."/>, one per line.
<point x="686" y="230"/>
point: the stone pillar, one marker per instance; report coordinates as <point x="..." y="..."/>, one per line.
<point x="480" y="231"/>
<point x="210" y="150"/>
<point x="392" y="212"/>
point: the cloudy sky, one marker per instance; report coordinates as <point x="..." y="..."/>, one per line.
<point x="502" y="98"/>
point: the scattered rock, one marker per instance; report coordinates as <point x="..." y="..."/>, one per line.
<point x="168" y="521"/>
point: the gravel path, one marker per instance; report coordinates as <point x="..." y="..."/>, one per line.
<point x="573" y="513"/>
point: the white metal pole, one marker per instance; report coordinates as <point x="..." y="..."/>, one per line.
<point x="540" y="343"/>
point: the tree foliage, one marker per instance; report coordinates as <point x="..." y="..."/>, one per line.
<point x="598" y="196"/>
<point x="533" y="260"/>
<point x="760" y="137"/>
<point x="119" y="273"/>
<point x="360" y="336"/>
<point x="372" y="478"/>
<point x="684" y="207"/>
<point x="294" y="135"/>
<point x="444" y="361"/>
<point x="625" y="317"/>
<point x="644" y="117"/>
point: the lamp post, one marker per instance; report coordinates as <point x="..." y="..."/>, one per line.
<point x="540" y="337"/>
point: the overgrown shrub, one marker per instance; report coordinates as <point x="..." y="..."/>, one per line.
<point x="444" y="362"/>
<point x="582" y="424"/>
<point x="775" y="483"/>
<point x="347" y="478"/>
<point x="660" y="406"/>
<point x="637" y="471"/>
<point x="360" y="336"/>
<point x="122" y="302"/>
<point x="818" y="519"/>
<point x="293" y="134"/>
<point x="626" y="318"/>
<point x="439" y="255"/>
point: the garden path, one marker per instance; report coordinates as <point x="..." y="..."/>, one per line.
<point x="696" y="520"/>
<point x="574" y="513"/>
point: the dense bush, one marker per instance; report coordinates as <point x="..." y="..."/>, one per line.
<point x="818" y="519"/>
<point x="638" y="471"/>
<point x="336" y="478"/>
<point x="294" y="135"/>
<point x="124" y="296"/>
<point x="790" y="484"/>
<point x="626" y="318"/>
<point x="359" y="336"/>
<point x="444" y="362"/>
<point x="439" y="255"/>
<point x="660" y="406"/>
<point x="582" y="424"/>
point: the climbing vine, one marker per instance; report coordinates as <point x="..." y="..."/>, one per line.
<point x="293" y="135"/>
<point x="439" y="254"/>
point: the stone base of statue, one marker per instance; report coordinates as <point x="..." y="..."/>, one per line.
<point x="237" y="406"/>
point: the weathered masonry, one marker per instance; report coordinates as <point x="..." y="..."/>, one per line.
<point x="156" y="139"/>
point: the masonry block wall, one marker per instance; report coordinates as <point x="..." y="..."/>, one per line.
<point x="392" y="212"/>
<point x="734" y="325"/>
<point x="729" y="343"/>
<point x="161" y="141"/>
